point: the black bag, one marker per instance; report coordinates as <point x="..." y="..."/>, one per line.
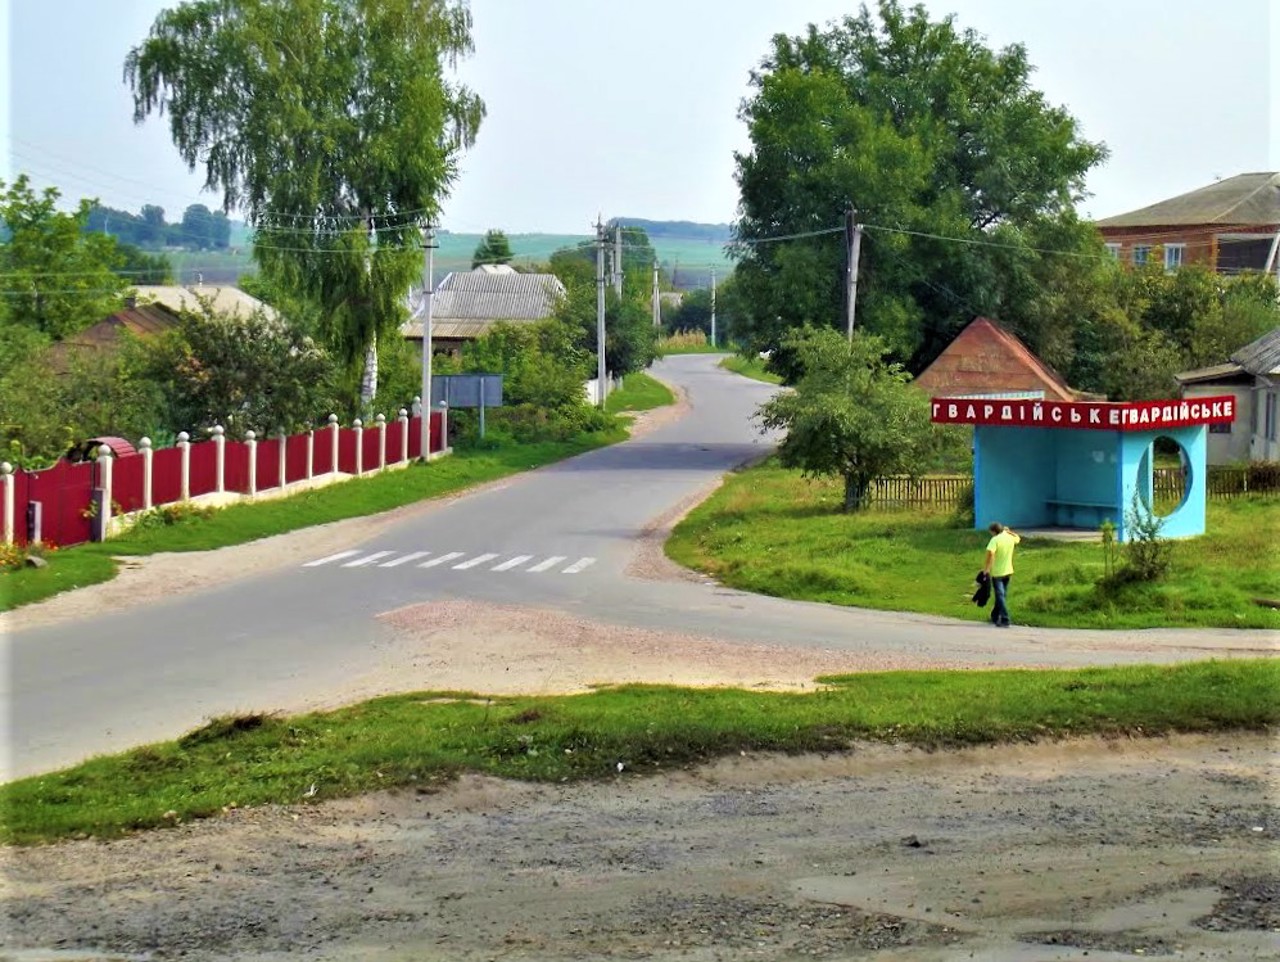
<point x="983" y="594"/>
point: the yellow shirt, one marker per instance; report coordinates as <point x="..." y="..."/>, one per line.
<point x="1002" y="547"/>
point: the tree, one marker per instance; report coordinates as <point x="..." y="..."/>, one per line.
<point x="493" y="249"/>
<point x="56" y="278"/>
<point x="153" y="229"/>
<point x="331" y="123"/>
<point x="852" y="414"/>
<point x="197" y="227"/>
<point x="921" y="128"/>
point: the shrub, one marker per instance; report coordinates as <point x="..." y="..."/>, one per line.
<point x="1147" y="556"/>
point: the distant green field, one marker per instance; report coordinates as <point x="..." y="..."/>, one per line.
<point x="689" y="261"/>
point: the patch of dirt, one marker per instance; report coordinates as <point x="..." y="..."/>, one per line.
<point x="882" y="852"/>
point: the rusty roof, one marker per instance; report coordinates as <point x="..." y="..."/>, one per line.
<point x="985" y="358"/>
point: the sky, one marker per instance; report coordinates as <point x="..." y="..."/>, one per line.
<point x="630" y="109"/>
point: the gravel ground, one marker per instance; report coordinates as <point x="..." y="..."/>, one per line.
<point x="1121" y="849"/>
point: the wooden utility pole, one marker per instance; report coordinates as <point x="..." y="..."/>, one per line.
<point x="600" y="367"/>
<point x="853" y="244"/>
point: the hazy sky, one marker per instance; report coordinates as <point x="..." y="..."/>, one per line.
<point x="630" y="109"/>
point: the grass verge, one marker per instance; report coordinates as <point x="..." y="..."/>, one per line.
<point x="639" y="392"/>
<point x="751" y="367"/>
<point x="86" y="564"/>
<point x="422" y="739"/>
<point x="770" y="531"/>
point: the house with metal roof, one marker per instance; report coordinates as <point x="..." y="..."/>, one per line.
<point x="467" y="304"/>
<point x="1252" y="376"/>
<point x="225" y="300"/>
<point x="1230" y="226"/>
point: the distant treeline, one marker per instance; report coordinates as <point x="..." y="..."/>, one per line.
<point x="683" y="229"/>
<point x="200" y="228"/>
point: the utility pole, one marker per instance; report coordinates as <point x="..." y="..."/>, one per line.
<point x="657" y="298"/>
<point x="600" y="371"/>
<point x="428" y="281"/>
<point x="713" y="307"/>
<point x="617" y="259"/>
<point x="853" y="243"/>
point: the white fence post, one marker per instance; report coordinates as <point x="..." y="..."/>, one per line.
<point x="105" y="458"/>
<point x="251" y="443"/>
<point x="184" y="445"/>
<point x="333" y="442"/>
<point x="381" y="420"/>
<point x="6" y="482"/>
<point x="444" y="426"/>
<point x="148" y="471"/>
<point x="284" y="453"/>
<point x="220" y="458"/>
<point x="404" y="435"/>
<point x="311" y="454"/>
<point x="359" y="426"/>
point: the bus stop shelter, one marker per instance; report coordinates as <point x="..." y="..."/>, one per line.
<point x="1076" y="464"/>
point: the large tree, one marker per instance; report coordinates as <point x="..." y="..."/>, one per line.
<point x="494" y="248"/>
<point x="921" y="128"/>
<point x="332" y="125"/>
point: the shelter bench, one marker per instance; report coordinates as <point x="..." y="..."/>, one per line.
<point x="1070" y="514"/>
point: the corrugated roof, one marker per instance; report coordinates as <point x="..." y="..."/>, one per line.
<point x="985" y="358"/>
<point x="1261" y="358"/>
<point x="229" y="300"/>
<point x="467" y="303"/>
<point x="1216" y="372"/>
<point x="1243" y="200"/>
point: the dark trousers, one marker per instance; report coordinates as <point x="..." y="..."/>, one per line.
<point x="999" y="604"/>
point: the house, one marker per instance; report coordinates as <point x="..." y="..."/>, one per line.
<point x="986" y="360"/>
<point x="140" y="320"/>
<point x="1229" y="226"/>
<point x="1252" y="375"/>
<point x="466" y="304"/>
<point x="226" y="300"/>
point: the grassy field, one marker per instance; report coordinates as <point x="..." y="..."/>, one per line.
<point x="768" y="530"/>
<point x="639" y="392"/>
<point x="423" y="739"/>
<point x="89" y="563"/>
<point x="752" y="367"/>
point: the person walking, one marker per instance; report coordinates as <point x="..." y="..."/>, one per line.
<point x="999" y="568"/>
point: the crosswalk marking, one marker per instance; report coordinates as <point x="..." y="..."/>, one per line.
<point x="515" y="562"/>
<point x="367" y="559"/>
<point x="474" y="562"/>
<point x="404" y="559"/>
<point x="548" y="564"/>
<point x="579" y="565"/>
<point x="443" y="559"/>
<point x="333" y="557"/>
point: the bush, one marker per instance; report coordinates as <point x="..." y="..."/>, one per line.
<point x="1147" y="556"/>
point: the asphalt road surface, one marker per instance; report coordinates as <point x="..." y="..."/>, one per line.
<point x="560" y="538"/>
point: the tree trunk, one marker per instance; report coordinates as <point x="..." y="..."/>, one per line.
<point x="369" y="383"/>
<point x="855" y="492"/>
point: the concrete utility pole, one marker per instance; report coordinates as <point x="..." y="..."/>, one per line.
<point x="657" y="298"/>
<point x="600" y="371"/>
<point x="853" y="242"/>
<point x="617" y="259"/>
<point x="713" y="307"/>
<point x="428" y="282"/>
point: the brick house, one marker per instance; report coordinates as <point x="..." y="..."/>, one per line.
<point x="1229" y="226"/>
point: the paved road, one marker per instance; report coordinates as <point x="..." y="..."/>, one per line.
<point x="560" y="538"/>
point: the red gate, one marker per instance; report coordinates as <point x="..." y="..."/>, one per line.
<point x="65" y="493"/>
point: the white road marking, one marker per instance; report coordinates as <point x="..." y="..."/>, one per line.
<point x="473" y="562"/>
<point x="549" y="563"/>
<point x="333" y="557"/>
<point x="441" y="560"/>
<point x="367" y="559"/>
<point x="515" y="562"/>
<point x="580" y="565"/>
<point x="404" y="559"/>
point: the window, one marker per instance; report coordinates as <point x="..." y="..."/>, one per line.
<point x="1140" y="252"/>
<point x="1173" y="256"/>
<point x="1114" y="250"/>
<point x="1215" y="428"/>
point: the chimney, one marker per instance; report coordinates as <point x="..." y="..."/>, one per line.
<point x="130" y="301"/>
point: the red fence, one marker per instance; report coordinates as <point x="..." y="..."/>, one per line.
<point x="65" y="491"/>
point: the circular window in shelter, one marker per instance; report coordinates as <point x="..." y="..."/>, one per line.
<point x="1164" y="476"/>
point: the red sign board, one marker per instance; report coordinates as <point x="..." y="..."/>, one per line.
<point x="1086" y="415"/>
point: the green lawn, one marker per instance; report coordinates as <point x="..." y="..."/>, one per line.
<point x="89" y="563"/>
<point x="639" y="392"/>
<point x="752" y="367"/>
<point x="423" y="739"/>
<point x="767" y="530"/>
